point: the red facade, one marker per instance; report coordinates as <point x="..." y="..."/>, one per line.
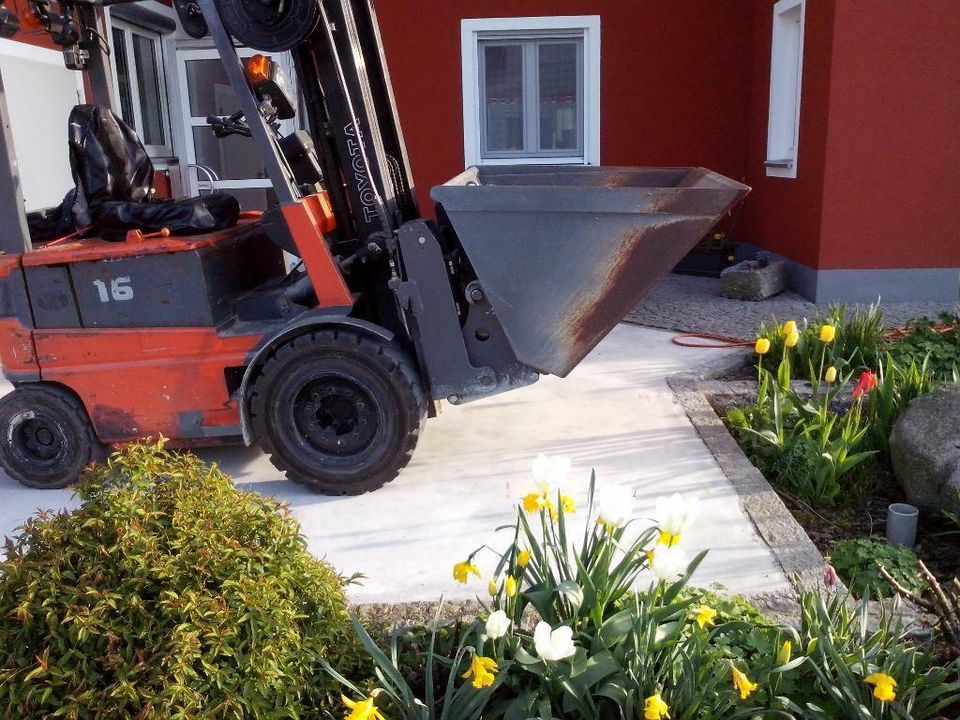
<point x="686" y="82"/>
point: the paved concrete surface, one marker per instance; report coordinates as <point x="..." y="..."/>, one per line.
<point x="695" y="304"/>
<point x="614" y="413"/>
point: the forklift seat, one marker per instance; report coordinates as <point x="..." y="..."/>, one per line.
<point x="113" y="193"/>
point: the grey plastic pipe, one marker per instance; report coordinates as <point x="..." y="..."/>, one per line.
<point x="902" y="524"/>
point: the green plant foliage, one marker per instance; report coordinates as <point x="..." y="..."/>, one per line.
<point x="856" y="562"/>
<point x="642" y="645"/>
<point x="856" y="347"/>
<point x="168" y="594"/>
<point x="922" y="344"/>
<point x="897" y="386"/>
<point x="801" y="442"/>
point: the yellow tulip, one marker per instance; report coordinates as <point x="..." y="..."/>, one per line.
<point x="654" y="708"/>
<point x="790" y="326"/>
<point x="831" y="374"/>
<point x="883" y="686"/>
<point x="785" y="653"/>
<point x="492" y="588"/>
<point x="792" y="339"/>
<point x="762" y="346"/>
<point x="511" y="586"/>
<point x="827" y="333"/>
<point x="742" y="683"/>
<point x="482" y="670"/>
<point x="462" y="571"/>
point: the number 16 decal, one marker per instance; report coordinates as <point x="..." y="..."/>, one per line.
<point x="119" y="289"/>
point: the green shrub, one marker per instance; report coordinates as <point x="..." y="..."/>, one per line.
<point x="168" y="593"/>
<point x="856" y="562"/>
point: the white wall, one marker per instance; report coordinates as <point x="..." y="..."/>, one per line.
<point x="40" y="94"/>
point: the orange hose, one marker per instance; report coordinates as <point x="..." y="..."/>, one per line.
<point x="720" y="341"/>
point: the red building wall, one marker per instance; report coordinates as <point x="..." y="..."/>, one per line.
<point x="675" y="79"/>
<point x="783" y="214"/>
<point x="891" y="196"/>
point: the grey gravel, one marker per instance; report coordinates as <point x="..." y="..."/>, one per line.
<point x="695" y="304"/>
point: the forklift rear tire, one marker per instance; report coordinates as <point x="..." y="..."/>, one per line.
<point x="338" y="411"/>
<point x="46" y="438"/>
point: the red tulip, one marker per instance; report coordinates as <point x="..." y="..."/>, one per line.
<point x="866" y="383"/>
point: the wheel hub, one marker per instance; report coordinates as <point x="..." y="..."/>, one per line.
<point x="39" y="439"/>
<point x="336" y="415"/>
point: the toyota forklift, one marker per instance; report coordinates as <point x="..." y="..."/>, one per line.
<point x="124" y="316"/>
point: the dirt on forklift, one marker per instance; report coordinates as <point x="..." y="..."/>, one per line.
<point x="123" y="316"/>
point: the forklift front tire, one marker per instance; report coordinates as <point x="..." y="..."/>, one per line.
<point x="338" y="411"/>
<point x="46" y="438"/>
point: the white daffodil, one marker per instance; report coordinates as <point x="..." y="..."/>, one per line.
<point x="552" y="645"/>
<point x="549" y="472"/>
<point x="668" y="562"/>
<point x="614" y="505"/>
<point x="676" y="513"/>
<point x="497" y="624"/>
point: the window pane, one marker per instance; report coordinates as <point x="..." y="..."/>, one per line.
<point x="559" y="96"/>
<point x="122" y="69"/>
<point x="148" y="80"/>
<point x="503" y="97"/>
<point x="209" y="89"/>
<point x="231" y="158"/>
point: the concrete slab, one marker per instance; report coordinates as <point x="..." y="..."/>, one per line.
<point x="614" y="413"/>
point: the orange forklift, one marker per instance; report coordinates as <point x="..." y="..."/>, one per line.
<point x="123" y="316"/>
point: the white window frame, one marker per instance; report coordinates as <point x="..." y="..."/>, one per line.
<point x="129" y="30"/>
<point x="473" y="31"/>
<point x="786" y="83"/>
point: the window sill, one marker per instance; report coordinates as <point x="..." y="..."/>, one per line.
<point x="534" y="161"/>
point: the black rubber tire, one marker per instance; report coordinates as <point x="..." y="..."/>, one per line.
<point x="46" y="438"/>
<point x="256" y="26"/>
<point x="327" y="381"/>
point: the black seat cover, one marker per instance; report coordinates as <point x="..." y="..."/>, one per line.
<point x="114" y="185"/>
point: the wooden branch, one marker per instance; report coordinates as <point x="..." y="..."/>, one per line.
<point x="908" y="594"/>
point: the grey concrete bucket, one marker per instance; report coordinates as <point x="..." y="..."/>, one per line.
<point x="563" y="253"/>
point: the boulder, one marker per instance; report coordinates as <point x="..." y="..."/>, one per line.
<point x="925" y="450"/>
<point x="754" y="279"/>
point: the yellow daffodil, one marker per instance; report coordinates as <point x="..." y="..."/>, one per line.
<point x="523" y="558"/>
<point x="649" y="555"/>
<point x="463" y="570"/>
<point x="831" y="374"/>
<point x="511" y="586"/>
<point x="704" y="615"/>
<point x="792" y="339"/>
<point x="790" y="326"/>
<point x="785" y="653"/>
<point x="534" y="502"/>
<point x="827" y="333"/>
<point x="668" y="539"/>
<point x="883" y="686"/>
<point x="567" y="503"/>
<point x="483" y="671"/>
<point x="654" y="708"/>
<point x="762" y="347"/>
<point x="361" y="709"/>
<point x="742" y="683"/>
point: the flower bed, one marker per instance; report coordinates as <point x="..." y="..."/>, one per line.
<point x="817" y="423"/>
<point x="589" y="614"/>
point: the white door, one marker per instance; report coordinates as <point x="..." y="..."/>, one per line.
<point x="230" y="164"/>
